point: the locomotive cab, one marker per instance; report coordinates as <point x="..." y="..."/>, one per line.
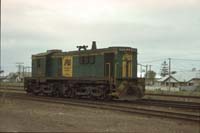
<point x="121" y="69"/>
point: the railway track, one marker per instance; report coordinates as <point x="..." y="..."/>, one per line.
<point x="111" y="106"/>
<point x="168" y="103"/>
<point x="144" y="101"/>
<point x="14" y="88"/>
<point x="172" y="95"/>
<point x="151" y="102"/>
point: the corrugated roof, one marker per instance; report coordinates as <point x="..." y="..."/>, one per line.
<point x="186" y="76"/>
<point x="166" y="78"/>
<point x="183" y="76"/>
<point x="163" y="78"/>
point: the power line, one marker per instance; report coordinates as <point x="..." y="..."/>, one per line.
<point x="178" y="64"/>
<point x="156" y="60"/>
<point x="187" y="70"/>
<point x="185" y="59"/>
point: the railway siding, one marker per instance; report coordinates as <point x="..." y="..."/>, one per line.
<point x="114" y="106"/>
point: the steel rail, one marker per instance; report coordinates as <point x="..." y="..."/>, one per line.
<point x="172" y="95"/>
<point x="169" y="103"/>
<point x="18" y="88"/>
<point x="155" y="102"/>
<point x="114" y="107"/>
<point x="147" y="94"/>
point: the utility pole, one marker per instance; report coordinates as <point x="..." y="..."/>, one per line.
<point x="146" y="71"/>
<point x="20" y="68"/>
<point x="141" y="71"/>
<point x="146" y="66"/>
<point x="26" y="71"/>
<point x="169" y="73"/>
<point x="23" y="71"/>
<point x="29" y="71"/>
<point x="150" y="67"/>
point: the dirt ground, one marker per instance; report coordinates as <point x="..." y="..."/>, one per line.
<point x="27" y="116"/>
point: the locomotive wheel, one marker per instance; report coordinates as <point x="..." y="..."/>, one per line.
<point x="55" y="91"/>
<point x="108" y="98"/>
<point x="29" y="88"/>
<point x="103" y="95"/>
<point x="66" y="91"/>
<point x="136" y="90"/>
<point x="73" y="93"/>
<point x="36" y="91"/>
<point x="141" y="92"/>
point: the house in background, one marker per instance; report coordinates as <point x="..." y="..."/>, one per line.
<point x="166" y="81"/>
<point x="194" y="82"/>
<point x="187" y="78"/>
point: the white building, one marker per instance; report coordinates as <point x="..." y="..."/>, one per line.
<point x="187" y="78"/>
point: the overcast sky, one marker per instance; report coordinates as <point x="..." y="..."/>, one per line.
<point x="158" y="28"/>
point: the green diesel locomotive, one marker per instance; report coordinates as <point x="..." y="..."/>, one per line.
<point x="91" y="73"/>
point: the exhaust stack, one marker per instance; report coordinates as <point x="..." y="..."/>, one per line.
<point x="94" y="46"/>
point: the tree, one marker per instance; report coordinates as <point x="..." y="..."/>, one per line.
<point x="164" y="69"/>
<point x="150" y="77"/>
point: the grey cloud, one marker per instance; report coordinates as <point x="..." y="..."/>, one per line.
<point x="156" y="32"/>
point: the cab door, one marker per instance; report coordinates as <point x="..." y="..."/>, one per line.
<point x="109" y="65"/>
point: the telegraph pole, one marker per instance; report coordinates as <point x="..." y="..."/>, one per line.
<point x="169" y="73"/>
<point x="146" y="66"/>
<point x="150" y="67"/>
<point x="26" y="71"/>
<point x="146" y="71"/>
<point x="141" y="71"/>
<point x="23" y="71"/>
<point x="20" y="68"/>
